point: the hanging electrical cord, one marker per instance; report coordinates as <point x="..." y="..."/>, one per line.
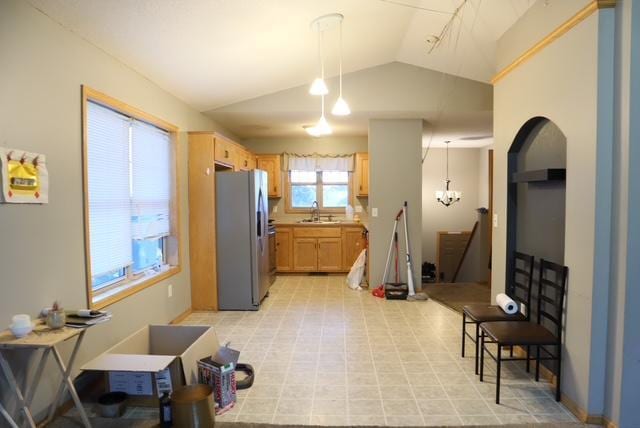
<point x="411" y="6"/>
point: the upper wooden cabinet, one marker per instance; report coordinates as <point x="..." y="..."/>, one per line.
<point x="225" y="151"/>
<point x="271" y="164"/>
<point x="361" y="174"/>
<point x="245" y="160"/>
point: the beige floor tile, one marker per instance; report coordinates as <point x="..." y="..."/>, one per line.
<point x="264" y="391"/>
<point x="404" y="406"/>
<point x="517" y="419"/>
<point x="481" y="420"/>
<point x="404" y="421"/>
<point x="429" y="392"/>
<point x="457" y="391"/>
<point x="441" y="420"/>
<point x="507" y="406"/>
<point x="363" y="420"/>
<point x="297" y="391"/>
<point x="254" y="419"/>
<point x="365" y="407"/>
<point x="436" y="407"/>
<point x="258" y="406"/>
<point x="471" y="407"/>
<point x="391" y="378"/>
<point x="330" y="392"/>
<point x="330" y="407"/>
<point x="294" y="407"/>
<point x="329" y="420"/>
<point x="292" y="420"/>
<point x="542" y="405"/>
<point x="363" y="392"/>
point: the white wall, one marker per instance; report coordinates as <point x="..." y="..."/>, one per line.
<point x="43" y="66"/>
<point x="563" y="83"/>
<point x="465" y="175"/>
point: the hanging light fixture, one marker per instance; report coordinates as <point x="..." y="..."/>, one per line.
<point x="319" y="87"/>
<point x="341" y="108"/>
<point x="448" y="197"/>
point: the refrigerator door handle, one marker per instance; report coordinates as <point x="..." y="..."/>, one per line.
<point x="260" y="219"/>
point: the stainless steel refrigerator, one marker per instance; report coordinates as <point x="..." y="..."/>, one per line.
<point x="242" y="239"/>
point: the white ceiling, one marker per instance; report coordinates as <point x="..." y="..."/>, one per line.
<point x="212" y="53"/>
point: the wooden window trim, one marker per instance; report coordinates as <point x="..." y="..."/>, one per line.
<point x="291" y="210"/>
<point x="174" y="242"/>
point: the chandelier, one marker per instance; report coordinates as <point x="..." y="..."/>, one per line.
<point x="448" y="197"/>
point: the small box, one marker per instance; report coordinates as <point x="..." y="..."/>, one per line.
<point x="155" y="359"/>
<point x="219" y="371"/>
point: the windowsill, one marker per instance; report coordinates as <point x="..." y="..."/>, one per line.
<point x="119" y="291"/>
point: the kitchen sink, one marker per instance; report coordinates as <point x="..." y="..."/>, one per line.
<point x="307" y="221"/>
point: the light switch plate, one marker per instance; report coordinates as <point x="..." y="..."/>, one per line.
<point x="275" y="209"/>
<point x="495" y="220"/>
<point x="358" y="208"/>
<point x="374" y="212"/>
<point x="170" y="290"/>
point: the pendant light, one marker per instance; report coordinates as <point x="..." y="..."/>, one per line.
<point x="322" y="127"/>
<point x="448" y="197"/>
<point x="341" y="108"/>
<point x="319" y="87"/>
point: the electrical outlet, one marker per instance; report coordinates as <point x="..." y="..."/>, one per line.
<point x="358" y="208"/>
<point x="495" y="221"/>
<point x="374" y="212"/>
<point x="170" y="290"/>
<point x="275" y="209"/>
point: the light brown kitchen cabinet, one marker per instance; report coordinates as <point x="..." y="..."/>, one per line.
<point x="284" y="250"/>
<point x="329" y="254"/>
<point x="305" y="254"/>
<point x="353" y="242"/>
<point x="361" y="173"/>
<point x="271" y="164"/>
<point x="202" y="229"/>
<point x="244" y="160"/>
<point x="225" y="151"/>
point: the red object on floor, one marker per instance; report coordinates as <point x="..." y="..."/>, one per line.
<point x="378" y="292"/>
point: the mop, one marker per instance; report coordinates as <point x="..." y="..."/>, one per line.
<point x="379" y="291"/>
<point x="412" y="296"/>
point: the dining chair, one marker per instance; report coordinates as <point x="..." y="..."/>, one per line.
<point x="519" y="290"/>
<point x="551" y="291"/>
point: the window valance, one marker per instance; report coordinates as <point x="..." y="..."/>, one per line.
<point x="318" y="162"/>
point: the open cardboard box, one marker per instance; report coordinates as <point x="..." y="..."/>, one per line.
<point x="155" y="359"/>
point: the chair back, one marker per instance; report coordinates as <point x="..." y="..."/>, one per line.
<point x="522" y="278"/>
<point x="551" y="290"/>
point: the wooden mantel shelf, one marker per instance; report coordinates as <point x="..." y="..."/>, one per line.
<point x="549" y="174"/>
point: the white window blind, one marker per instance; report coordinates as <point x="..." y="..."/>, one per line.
<point x="150" y="181"/>
<point x="109" y="199"/>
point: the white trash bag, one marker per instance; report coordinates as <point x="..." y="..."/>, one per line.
<point x="354" y="279"/>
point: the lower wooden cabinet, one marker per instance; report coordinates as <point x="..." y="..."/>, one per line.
<point x="284" y="250"/>
<point x="353" y="242"/>
<point x="329" y="254"/>
<point x="317" y="248"/>
<point x="305" y="254"/>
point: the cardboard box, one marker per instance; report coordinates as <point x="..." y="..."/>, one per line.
<point x="155" y="359"/>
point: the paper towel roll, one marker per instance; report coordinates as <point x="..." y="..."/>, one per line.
<point x="508" y="305"/>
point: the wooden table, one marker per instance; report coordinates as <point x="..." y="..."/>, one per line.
<point x="42" y="337"/>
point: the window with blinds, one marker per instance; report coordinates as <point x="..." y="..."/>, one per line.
<point x="129" y="196"/>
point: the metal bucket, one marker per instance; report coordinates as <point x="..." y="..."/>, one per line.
<point x="112" y="404"/>
<point x="192" y="406"/>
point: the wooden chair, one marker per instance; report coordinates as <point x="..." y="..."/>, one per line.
<point x="519" y="290"/>
<point x="551" y="290"/>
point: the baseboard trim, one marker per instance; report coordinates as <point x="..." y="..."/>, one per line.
<point x="580" y="413"/>
<point x="181" y="317"/>
<point x="608" y="424"/>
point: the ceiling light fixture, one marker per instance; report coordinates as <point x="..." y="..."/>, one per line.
<point x="447" y="197"/>
<point x="319" y="87"/>
<point x="341" y="108"/>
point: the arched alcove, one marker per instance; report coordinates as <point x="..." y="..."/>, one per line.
<point x="537" y="162"/>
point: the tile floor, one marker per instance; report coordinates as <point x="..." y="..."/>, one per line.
<point x="328" y="355"/>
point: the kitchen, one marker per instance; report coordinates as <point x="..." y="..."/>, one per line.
<point x="301" y="237"/>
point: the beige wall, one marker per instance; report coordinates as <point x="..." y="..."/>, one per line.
<point x="464" y="172"/>
<point x="43" y="66"/>
<point x="307" y="145"/>
<point x="394" y="160"/>
<point x="570" y="93"/>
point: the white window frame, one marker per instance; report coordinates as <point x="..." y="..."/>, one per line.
<point x="289" y="208"/>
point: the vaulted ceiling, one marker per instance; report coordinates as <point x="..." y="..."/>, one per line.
<point x="212" y="53"/>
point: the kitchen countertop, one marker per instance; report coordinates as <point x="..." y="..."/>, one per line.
<point x="293" y="223"/>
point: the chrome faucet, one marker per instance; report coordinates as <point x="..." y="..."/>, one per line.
<point x="315" y="211"/>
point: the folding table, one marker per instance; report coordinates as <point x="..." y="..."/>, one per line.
<point x="46" y="339"/>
